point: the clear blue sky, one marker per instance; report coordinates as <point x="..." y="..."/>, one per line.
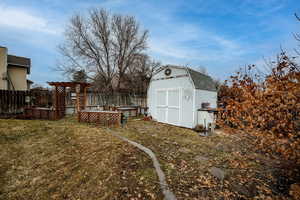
<point x="219" y="35"/>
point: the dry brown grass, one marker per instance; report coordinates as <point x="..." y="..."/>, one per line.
<point x="249" y="173"/>
<point x="67" y="160"/>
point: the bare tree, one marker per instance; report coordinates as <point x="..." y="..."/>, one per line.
<point x="79" y="76"/>
<point x="297" y="17"/>
<point x="297" y="35"/>
<point x="140" y="73"/>
<point x="103" y="45"/>
<point x="128" y="45"/>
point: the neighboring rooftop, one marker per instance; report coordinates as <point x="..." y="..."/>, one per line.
<point x="17" y="61"/>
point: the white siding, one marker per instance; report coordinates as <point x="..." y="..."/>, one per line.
<point x="185" y="101"/>
<point x="163" y="100"/>
<point x="203" y="96"/>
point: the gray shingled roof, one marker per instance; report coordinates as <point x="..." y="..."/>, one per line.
<point x="202" y="81"/>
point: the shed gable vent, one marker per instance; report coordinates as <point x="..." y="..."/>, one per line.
<point x="168" y="72"/>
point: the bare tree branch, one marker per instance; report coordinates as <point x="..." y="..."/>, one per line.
<point x="297" y="17"/>
<point x="103" y="45"/>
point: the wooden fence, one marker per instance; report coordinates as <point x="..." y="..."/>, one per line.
<point x="13" y="102"/>
<point x="116" y="99"/>
<point x="41" y="97"/>
<point x="40" y="113"/>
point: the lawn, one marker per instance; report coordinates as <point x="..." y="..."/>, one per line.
<point x="187" y="159"/>
<point x="69" y="160"/>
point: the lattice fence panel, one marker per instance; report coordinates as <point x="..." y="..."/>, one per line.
<point x="83" y="116"/>
<point x="102" y="118"/>
<point x="61" y="101"/>
<point x="93" y="117"/>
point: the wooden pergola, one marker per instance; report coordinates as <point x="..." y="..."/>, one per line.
<point x="60" y="94"/>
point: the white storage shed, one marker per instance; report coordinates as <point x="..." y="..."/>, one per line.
<point x="182" y="96"/>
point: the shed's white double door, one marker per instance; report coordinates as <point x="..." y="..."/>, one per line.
<point x="168" y="106"/>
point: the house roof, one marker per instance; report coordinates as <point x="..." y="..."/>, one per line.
<point x="17" y="61"/>
<point x="201" y="81"/>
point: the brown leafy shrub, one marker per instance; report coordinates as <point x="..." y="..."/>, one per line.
<point x="269" y="104"/>
<point x="295" y="191"/>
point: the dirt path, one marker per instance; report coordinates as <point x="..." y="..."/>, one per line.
<point x="169" y="195"/>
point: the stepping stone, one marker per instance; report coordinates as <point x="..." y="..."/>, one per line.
<point x="217" y="172"/>
<point x="222" y="147"/>
<point x="249" y="191"/>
